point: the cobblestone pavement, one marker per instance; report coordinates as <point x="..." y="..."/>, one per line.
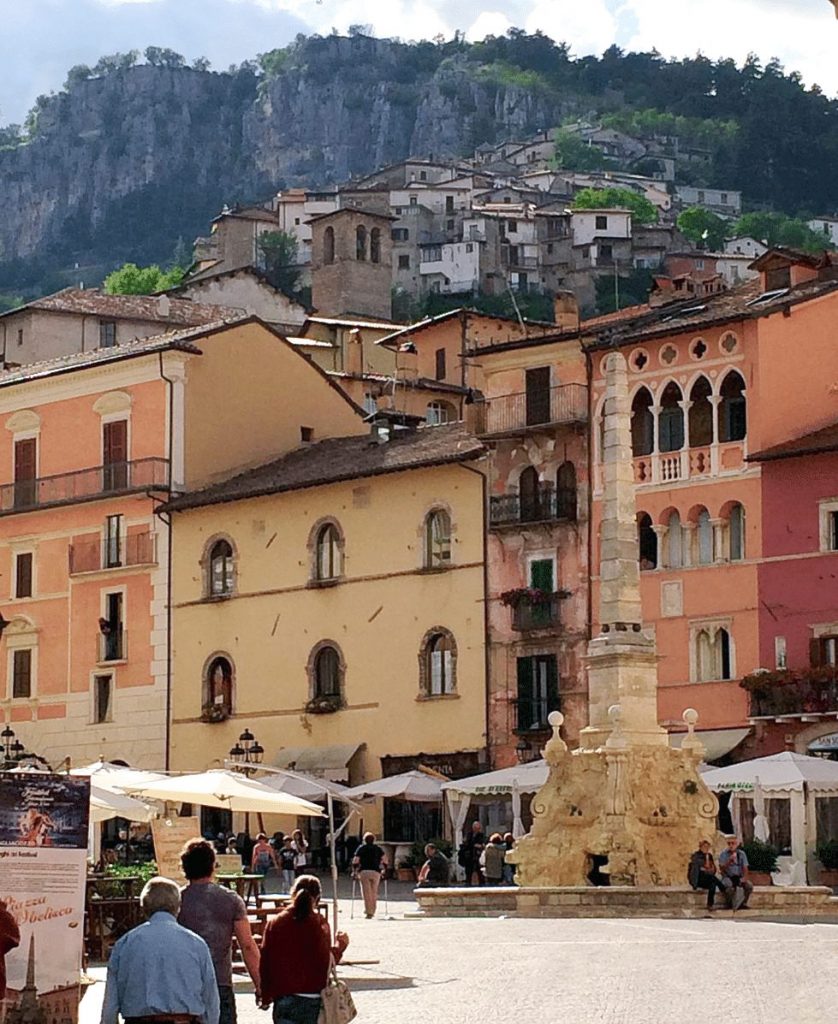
<point x="612" y="971"/>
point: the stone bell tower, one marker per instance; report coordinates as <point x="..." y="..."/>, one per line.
<point x="625" y="801"/>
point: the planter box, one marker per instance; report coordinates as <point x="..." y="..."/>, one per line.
<point x="760" y="877"/>
<point x="405" y="875"/>
<point x="829" y="876"/>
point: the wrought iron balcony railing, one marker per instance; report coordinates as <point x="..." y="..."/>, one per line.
<point x="529" y="614"/>
<point x="95" y="555"/>
<point x="564" y="404"/>
<point x="546" y="504"/>
<point x="84" y="485"/>
<point x="804" y="692"/>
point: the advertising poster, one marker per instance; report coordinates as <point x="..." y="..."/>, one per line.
<point x="169" y="836"/>
<point x="43" y="867"/>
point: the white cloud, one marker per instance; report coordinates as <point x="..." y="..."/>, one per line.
<point x="488" y="23"/>
<point x="587" y="27"/>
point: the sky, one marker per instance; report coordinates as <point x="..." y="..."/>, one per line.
<point x="42" y="39"/>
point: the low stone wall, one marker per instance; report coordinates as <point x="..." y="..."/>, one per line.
<point x="800" y="902"/>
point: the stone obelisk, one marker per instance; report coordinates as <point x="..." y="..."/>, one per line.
<point x="625" y="803"/>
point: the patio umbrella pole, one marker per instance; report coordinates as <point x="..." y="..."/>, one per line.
<point x="330" y="807"/>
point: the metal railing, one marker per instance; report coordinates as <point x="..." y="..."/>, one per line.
<point x="546" y="504"/>
<point x="98" y="554"/>
<point x="113" y="645"/>
<point x="84" y="485"/>
<point x="528" y="615"/>
<point x="531" y="715"/>
<point x="510" y="414"/>
<point x="809" y="694"/>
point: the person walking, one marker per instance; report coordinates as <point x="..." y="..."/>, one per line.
<point x="369" y="863"/>
<point x="160" y="972"/>
<point x="493" y="855"/>
<point x="263" y="858"/>
<point x="9" y="940"/>
<point x="508" y="869"/>
<point x="300" y="844"/>
<point x="217" y="914"/>
<point x="703" y="874"/>
<point x="287" y="858"/>
<point x="296" y="956"/>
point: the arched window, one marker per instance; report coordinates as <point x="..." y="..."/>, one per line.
<point x="701" y="414"/>
<point x="566" y="491"/>
<point x="705" y="660"/>
<point x="723" y="655"/>
<point x="642" y="424"/>
<point x="327" y="564"/>
<point x="360" y="242"/>
<point x="671" y="420"/>
<point x="648" y="541"/>
<point x="704" y="537"/>
<point x="218" y="688"/>
<point x="733" y="420"/>
<point x="674" y="542"/>
<point x="327" y="674"/>
<point x="437" y="539"/>
<point x="736" y="533"/>
<point x="438" y="663"/>
<point x="221" y="572"/>
<point x="529" y="495"/>
<point x="375" y="246"/>
<point x="438" y="413"/>
<point x="329" y="245"/>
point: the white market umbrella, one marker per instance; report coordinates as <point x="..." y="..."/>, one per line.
<point x="306" y="787"/>
<point x="414" y="786"/>
<point x="228" y="790"/>
<point x="116" y="778"/>
<point x="105" y="805"/>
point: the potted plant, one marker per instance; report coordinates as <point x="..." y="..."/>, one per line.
<point x="405" y="870"/>
<point x="762" y="861"/>
<point x="214" y="713"/>
<point x="323" y="705"/>
<point x="828" y="856"/>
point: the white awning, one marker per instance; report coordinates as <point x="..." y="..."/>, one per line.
<point x="323" y="762"/>
<point x="717" y="742"/>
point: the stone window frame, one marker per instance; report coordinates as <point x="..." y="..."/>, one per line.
<point x="828" y="538"/>
<point x="711" y="627"/>
<point x="313" y="545"/>
<point x="723" y="337"/>
<point x="21" y="635"/>
<point x="205" y="681"/>
<point x="427" y="563"/>
<point x="311" y="671"/>
<point x="425" y="674"/>
<point x="206" y="568"/>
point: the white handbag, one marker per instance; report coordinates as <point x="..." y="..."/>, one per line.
<point x="337" y="1005"/>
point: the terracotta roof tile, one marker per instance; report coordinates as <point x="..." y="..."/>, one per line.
<point x="155" y="308"/>
<point x="813" y="443"/>
<point x="342" y="458"/>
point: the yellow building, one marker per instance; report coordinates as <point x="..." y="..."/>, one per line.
<point x="331" y="602"/>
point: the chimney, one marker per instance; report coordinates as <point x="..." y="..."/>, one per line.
<point x="354" y="357"/>
<point x="164" y="306"/>
<point x="566" y="311"/>
<point x="407" y="362"/>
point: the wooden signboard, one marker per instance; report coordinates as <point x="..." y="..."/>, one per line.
<point x="228" y="864"/>
<point x="169" y="835"/>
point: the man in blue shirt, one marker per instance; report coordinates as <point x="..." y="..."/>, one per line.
<point x="161" y="972"/>
<point x="733" y="867"/>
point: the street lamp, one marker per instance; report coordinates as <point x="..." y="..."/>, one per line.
<point x="247" y="753"/>
<point x="14" y="752"/>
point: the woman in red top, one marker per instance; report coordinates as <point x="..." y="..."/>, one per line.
<point x="296" y="949"/>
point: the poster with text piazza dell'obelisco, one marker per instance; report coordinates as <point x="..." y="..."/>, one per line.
<point x="43" y="855"/>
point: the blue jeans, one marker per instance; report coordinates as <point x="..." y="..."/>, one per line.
<point x="228" y="1004"/>
<point x="296" y="1010"/>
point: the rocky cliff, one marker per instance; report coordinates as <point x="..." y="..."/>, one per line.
<point x="123" y="165"/>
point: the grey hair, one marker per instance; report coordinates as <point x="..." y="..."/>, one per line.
<point x="160" y="894"/>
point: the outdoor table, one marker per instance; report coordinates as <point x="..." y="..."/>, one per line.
<point x="112" y="908"/>
<point x="243" y="884"/>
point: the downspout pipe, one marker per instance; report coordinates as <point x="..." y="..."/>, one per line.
<point x="166" y="517"/>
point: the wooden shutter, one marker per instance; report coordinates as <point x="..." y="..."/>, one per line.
<point x="816" y="652"/>
<point x="538" y="395"/>
<point x="115" y="455"/>
<point x="26" y="453"/>
<point x="23" y="575"/>
<point x="440" y="364"/>
<point x="541" y="574"/>
<point x="525" y="692"/>
<point x="22" y="674"/>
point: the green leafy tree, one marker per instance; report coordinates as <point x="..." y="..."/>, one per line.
<point x="703" y="228"/>
<point x="115" y="62"/>
<point x="633" y="290"/>
<point x="574" y="154"/>
<point x="278" y="258"/>
<point x="201" y="64"/>
<point x="182" y="255"/>
<point x="130" y="279"/>
<point x="77" y="73"/>
<point x="778" y="229"/>
<point x="162" y="57"/>
<point x="642" y="211"/>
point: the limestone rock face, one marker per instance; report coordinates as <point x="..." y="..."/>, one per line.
<point x="642" y="807"/>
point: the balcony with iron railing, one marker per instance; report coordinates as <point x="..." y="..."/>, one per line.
<point x="525" y="411"/>
<point x="84" y="485"/>
<point x="804" y="693"/>
<point x="530" y="715"/>
<point x="95" y="555"/>
<point x="548" y="504"/>
<point x="112" y="645"/>
<point x="533" y="613"/>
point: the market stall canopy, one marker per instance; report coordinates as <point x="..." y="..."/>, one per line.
<point x="717" y="742"/>
<point x="331" y="762"/>
<point x="116" y="778"/>
<point x="306" y="787"/>
<point x="529" y="778"/>
<point x="416" y="786"/>
<point x="228" y="790"/>
<point x="776" y="773"/>
<point x="105" y="805"/>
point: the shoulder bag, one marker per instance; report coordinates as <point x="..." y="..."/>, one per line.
<point x="337" y="1006"/>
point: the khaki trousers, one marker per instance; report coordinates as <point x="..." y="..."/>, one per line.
<point x="370" y="880"/>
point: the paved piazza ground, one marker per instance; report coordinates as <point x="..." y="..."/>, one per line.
<point x="582" y="971"/>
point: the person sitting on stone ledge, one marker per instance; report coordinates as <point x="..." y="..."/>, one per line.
<point x="702" y="872"/>
<point x="436" y="871"/>
<point x="733" y="866"/>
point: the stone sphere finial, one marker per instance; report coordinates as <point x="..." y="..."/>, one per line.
<point x="555" y="720"/>
<point x="690" y="717"/>
<point x="614" y="714"/>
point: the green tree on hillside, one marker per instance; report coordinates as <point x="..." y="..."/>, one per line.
<point x="162" y="57"/>
<point x="778" y="229"/>
<point x="278" y="258"/>
<point x="130" y="279"/>
<point x="642" y="211"/>
<point x="703" y="228"/>
<point x="574" y="154"/>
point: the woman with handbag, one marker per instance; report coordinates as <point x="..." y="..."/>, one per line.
<point x="297" y="957"/>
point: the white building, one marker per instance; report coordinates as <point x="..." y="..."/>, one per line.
<point x="827" y="226"/>
<point x="589" y="226"/>
<point x="450" y="267"/>
<point x="726" y="203"/>
<point x="745" y="245"/>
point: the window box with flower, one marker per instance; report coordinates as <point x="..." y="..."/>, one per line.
<point x="323" y="705"/>
<point x="214" y="713"/>
<point x="533" y="608"/>
<point x="792" y="692"/>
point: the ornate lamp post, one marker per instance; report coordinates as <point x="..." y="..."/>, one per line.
<point x="247" y="754"/>
<point x="14" y="752"/>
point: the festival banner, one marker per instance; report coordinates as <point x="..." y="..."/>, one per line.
<point x="43" y="867"/>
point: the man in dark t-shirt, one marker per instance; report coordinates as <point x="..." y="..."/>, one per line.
<point x="217" y="914"/>
<point x="368" y="864"/>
